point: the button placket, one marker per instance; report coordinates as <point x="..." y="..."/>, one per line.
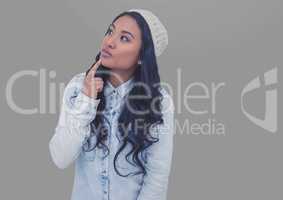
<point x="105" y="162"/>
<point x="105" y="177"/>
<point x="111" y="113"/>
<point x="114" y="103"/>
<point x="105" y="173"/>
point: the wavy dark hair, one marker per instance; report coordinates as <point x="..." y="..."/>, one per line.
<point x="145" y="73"/>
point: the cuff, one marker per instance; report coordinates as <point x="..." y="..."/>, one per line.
<point x="83" y="108"/>
<point x="84" y="104"/>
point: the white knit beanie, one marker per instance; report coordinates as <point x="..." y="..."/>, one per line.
<point x="157" y="29"/>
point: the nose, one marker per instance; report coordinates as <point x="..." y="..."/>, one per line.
<point x="111" y="42"/>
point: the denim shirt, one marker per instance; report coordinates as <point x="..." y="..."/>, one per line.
<point x="95" y="177"/>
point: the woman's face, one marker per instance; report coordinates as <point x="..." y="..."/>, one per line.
<point x="123" y="42"/>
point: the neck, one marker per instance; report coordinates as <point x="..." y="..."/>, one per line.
<point x="117" y="77"/>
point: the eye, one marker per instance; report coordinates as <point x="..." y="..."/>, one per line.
<point x="124" y="38"/>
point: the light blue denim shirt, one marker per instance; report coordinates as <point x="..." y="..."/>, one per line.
<point x="95" y="177"/>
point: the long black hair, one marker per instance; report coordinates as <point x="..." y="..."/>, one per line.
<point x="145" y="73"/>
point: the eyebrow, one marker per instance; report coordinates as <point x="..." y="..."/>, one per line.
<point x="123" y="31"/>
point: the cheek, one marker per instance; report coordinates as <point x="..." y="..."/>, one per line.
<point x="127" y="57"/>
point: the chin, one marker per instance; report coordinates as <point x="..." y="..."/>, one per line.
<point x="107" y="63"/>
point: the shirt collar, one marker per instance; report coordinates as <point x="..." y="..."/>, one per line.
<point x="123" y="89"/>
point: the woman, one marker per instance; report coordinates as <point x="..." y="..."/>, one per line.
<point x="116" y="121"/>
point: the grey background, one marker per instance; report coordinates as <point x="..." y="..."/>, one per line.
<point x="210" y="41"/>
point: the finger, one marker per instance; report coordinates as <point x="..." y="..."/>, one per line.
<point x="98" y="79"/>
<point x="99" y="82"/>
<point x="90" y="75"/>
<point x="99" y="88"/>
<point x="95" y="66"/>
<point x="93" y="69"/>
<point x="97" y="85"/>
<point x="91" y="79"/>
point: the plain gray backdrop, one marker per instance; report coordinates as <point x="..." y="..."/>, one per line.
<point x="210" y="41"/>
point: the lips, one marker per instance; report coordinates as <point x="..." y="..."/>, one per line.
<point x="105" y="52"/>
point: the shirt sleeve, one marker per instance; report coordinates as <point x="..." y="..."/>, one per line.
<point x="159" y="156"/>
<point x="73" y="127"/>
